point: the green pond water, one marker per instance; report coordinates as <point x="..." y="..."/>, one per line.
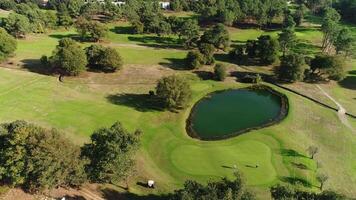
<point x="228" y="113"/>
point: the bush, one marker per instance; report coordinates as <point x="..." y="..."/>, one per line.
<point x="7" y="44"/>
<point x="328" y="67"/>
<point x="194" y="59"/>
<point x="90" y="30"/>
<point x="208" y="53"/>
<point x="103" y="58"/>
<point x="69" y="57"/>
<point x="220" y="72"/>
<point x="17" y="25"/>
<point x="7" y="4"/>
<point x="174" y="91"/>
<point x="292" y="68"/>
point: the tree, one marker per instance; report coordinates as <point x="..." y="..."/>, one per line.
<point x="312" y="150"/>
<point x="287" y="40"/>
<point x="347" y="9"/>
<point x="207" y="50"/>
<point x="328" y="67"/>
<point x="194" y="59"/>
<point x="279" y="192"/>
<point x="298" y="16"/>
<point x="69" y="57"/>
<point x="17" y="25"/>
<point x="220" y="72"/>
<point x="267" y="49"/>
<point x="7" y="4"/>
<point x="111" y="153"/>
<point x="64" y="19"/>
<point x="322" y="178"/>
<point x="344" y="42"/>
<point x="30" y="157"/>
<point x="103" y="58"/>
<point x="218" y="36"/>
<point x="189" y="32"/>
<point x="288" y="22"/>
<point x="222" y="189"/>
<point x="7" y="44"/>
<point x="91" y="30"/>
<point x="174" y="91"/>
<point x="330" y="28"/>
<point x="292" y="68"/>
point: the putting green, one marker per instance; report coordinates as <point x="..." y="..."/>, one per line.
<point x="246" y="155"/>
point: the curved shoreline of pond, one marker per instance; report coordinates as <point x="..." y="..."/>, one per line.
<point x="284" y="109"/>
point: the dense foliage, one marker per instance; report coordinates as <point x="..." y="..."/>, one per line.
<point x="37" y="158"/>
<point x="103" y="58"/>
<point x="90" y="30"/>
<point x="292" y="68"/>
<point x="347" y="9"/>
<point x="7" y="44"/>
<point x="69" y="57"/>
<point x="280" y="192"/>
<point x="223" y="189"/>
<point x="229" y="11"/>
<point x="218" y="36"/>
<point x="194" y="60"/>
<point x="174" y="91"/>
<point x="220" y="72"/>
<point x="328" y="67"/>
<point x="111" y="152"/>
<point x="17" y="25"/>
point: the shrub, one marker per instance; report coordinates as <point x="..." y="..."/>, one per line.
<point x="174" y="91"/>
<point x="220" y="72"/>
<point x="69" y="57"/>
<point x="103" y="58"/>
<point x="208" y="53"/>
<point x="194" y="59"/>
<point x="292" y="68"/>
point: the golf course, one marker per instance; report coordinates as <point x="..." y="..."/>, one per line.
<point x="78" y="105"/>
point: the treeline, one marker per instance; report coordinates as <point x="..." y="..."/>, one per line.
<point x="347" y="9"/>
<point x="38" y="159"/>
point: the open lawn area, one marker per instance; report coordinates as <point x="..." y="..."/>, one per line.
<point x="276" y="154"/>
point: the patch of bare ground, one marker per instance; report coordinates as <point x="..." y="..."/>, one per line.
<point x="141" y="77"/>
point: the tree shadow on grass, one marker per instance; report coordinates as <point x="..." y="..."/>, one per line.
<point x="61" y="36"/>
<point x="291" y="152"/>
<point x="156" y="41"/>
<point x="305" y="48"/>
<point x="204" y="75"/>
<point x="74" y="197"/>
<point x="174" y="63"/>
<point x="35" y="65"/>
<point x="349" y="82"/>
<point x="111" y="194"/>
<point x="353" y="72"/>
<point x="140" y="102"/>
<point x="300" y="165"/>
<point x="223" y="57"/>
<point x="122" y="30"/>
<point x="296" y="181"/>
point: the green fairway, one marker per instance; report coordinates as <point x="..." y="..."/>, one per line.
<point x="168" y="154"/>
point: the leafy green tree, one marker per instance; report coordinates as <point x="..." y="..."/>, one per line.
<point x="267" y="49"/>
<point x="347" y="9"/>
<point x="111" y="154"/>
<point x="7" y="4"/>
<point x="298" y="16"/>
<point x="103" y="58"/>
<point x="194" y="59"/>
<point x="287" y="40"/>
<point x="220" y="72"/>
<point x="316" y="6"/>
<point x="29" y="157"/>
<point x="218" y="36"/>
<point x="328" y="67"/>
<point x="330" y="28"/>
<point x="174" y="91"/>
<point x="91" y="30"/>
<point x="222" y="189"/>
<point x="344" y="42"/>
<point x="7" y="44"/>
<point x="208" y="51"/>
<point x="189" y="32"/>
<point x="279" y="192"/>
<point x="17" y="25"/>
<point x="64" y="19"/>
<point x="292" y="68"/>
<point x="69" y="57"/>
<point x="288" y="22"/>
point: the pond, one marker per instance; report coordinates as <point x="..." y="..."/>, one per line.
<point x="229" y="113"/>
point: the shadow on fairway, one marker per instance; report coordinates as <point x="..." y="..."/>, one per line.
<point x="110" y="194"/>
<point x="156" y="41"/>
<point x="75" y="197"/>
<point x="140" y="102"/>
<point x="296" y="181"/>
<point x="204" y="75"/>
<point x="35" y="65"/>
<point x="61" y="36"/>
<point x="174" y="63"/>
<point x="123" y="30"/>
<point x="291" y="152"/>
<point x="349" y="82"/>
